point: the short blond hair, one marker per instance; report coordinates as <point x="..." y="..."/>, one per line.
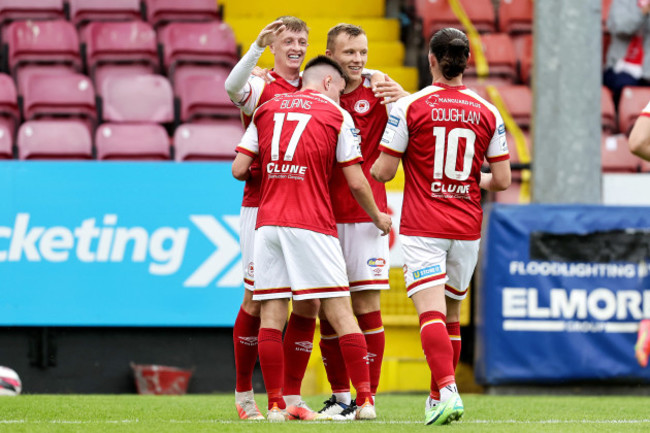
<point x="293" y="24"/>
<point x="349" y="29"/>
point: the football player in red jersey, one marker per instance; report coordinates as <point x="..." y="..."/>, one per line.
<point x="364" y="249"/>
<point x="297" y="137"/>
<point x="287" y="39"/>
<point x="442" y="134"/>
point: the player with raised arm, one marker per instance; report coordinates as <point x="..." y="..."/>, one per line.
<point x="287" y="39"/>
<point x="364" y="249"/>
<point x="297" y="138"/>
<point x="442" y="134"/>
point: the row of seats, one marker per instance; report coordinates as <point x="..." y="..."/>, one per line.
<point x="80" y="12"/>
<point x="71" y="139"/>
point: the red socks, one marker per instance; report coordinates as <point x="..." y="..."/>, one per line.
<point x="337" y="375"/>
<point x="437" y="348"/>
<point x="453" y="329"/>
<point x="272" y="363"/>
<point x="244" y="337"/>
<point x="373" y="330"/>
<point x="298" y="340"/>
<point x="355" y="353"/>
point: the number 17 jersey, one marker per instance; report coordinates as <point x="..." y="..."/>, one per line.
<point x="443" y="134"/>
<point x="298" y="137"/>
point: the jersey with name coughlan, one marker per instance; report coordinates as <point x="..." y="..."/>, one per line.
<point x="259" y="91"/>
<point x="370" y="118"/>
<point x="443" y="134"/>
<point x="297" y="138"/>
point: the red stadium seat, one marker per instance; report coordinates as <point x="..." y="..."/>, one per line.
<point x="516" y="16"/>
<point x="9" y="103"/>
<point x="163" y="11"/>
<point x="480" y="89"/>
<point x="608" y="111"/>
<point x="6" y="142"/>
<point x="437" y="14"/>
<point x="210" y="141"/>
<point x="119" y="141"/>
<point x="201" y="43"/>
<point x="140" y="98"/>
<point x="645" y="166"/>
<point x="15" y="10"/>
<point x="524" y="51"/>
<point x="518" y="99"/>
<point x="616" y="156"/>
<point x="633" y="101"/>
<point x="500" y="54"/>
<point x="26" y="72"/>
<point x="83" y="11"/>
<point x="105" y="72"/>
<point x="55" y="95"/>
<point x="120" y="43"/>
<point x="54" y="139"/>
<point x="42" y="42"/>
<point x="205" y="96"/>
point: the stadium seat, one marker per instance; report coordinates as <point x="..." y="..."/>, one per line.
<point x="26" y="72"/>
<point x="41" y="42"/>
<point x="205" y="96"/>
<point x="633" y="101"/>
<point x="480" y="89"/>
<point x="199" y="43"/>
<point x="54" y="139"/>
<point x="6" y="142"/>
<point x="500" y="54"/>
<point x="616" y="156"/>
<point x="140" y="98"/>
<point x="437" y="14"/>
<point x="15" y="10"/>
<point x="84" y="11"/>
<point x="608" y="112"/>
<point x="515" y="158"/>
<point x="9" y="103"/>
<point x="518" y="100"/>
<point x="210" y="141"/>
<point x="120" y="43"/>
<point x="160" y="12"/>
<point x="515" y="16"/>
<point x="56" y="95"/>
<point x="523" y="45"/>
<point x="120" y="141"/>
<point x="645" y="166"/>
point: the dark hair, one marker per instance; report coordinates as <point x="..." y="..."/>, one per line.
<point x="451" y="48"/>
<point x="327" y="61"/>
<point x="293" y="24"/>
<point x="349" y="29"/>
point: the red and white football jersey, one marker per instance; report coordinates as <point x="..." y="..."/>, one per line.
<point x="370" y="118"/>
<point x="297" y="137"/>
<point x="257" y="92"/>
<point x="443" y="134"/>
<point x="646" y="111"/>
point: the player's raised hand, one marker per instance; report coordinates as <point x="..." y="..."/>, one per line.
<point x="262" y="73"/>
<point x="383" y="223"/>
<point x="389" y="90"/>
<point x="269" y="33"/>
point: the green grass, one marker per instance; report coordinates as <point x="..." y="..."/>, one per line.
<point x="397" y="413"/>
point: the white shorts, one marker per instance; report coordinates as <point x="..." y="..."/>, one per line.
<point x="366" y="256"/>
<point x="429" y="262"/>
<point x="247" y="221"/>
<point x="298" y="263"/>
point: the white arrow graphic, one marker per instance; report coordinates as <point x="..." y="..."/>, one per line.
<point x="227" y="249"/>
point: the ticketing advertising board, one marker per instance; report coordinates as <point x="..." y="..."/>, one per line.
<point x="119" y="244"/>
<point x="562" y="291"/>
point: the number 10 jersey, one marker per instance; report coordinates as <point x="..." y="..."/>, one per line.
<point x="443" y="134"/>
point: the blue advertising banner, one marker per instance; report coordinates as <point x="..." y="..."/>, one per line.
<point x="562" y="291"/>
<point x="119" y="244"/>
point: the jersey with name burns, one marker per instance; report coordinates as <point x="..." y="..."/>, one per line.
<point x="370" y="118"/>
<point x="443" y="134"/>
<point x="257" y="92"/>
<point x="297" y="138"/>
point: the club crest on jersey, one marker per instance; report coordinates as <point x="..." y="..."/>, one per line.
<point x="393" y="120"/>
<point x="251" y="270"/>
<point x="432" y="101"/>
<point x="362" y="106"/>
<point x="427" y="272"/>
<point x="376" y="262"/>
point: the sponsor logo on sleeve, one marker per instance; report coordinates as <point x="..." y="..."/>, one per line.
<point x="502" y="129"/>
<point x="388" y="136"/>
<point x="393" y="121"/>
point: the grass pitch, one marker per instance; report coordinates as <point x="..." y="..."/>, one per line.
<point x="396" y="413"/>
